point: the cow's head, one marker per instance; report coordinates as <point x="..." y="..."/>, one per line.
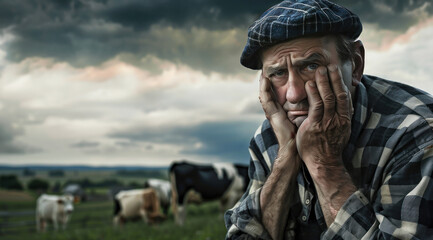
<point x="150" y="201"/>
<point x="151" y="205"/>
<point x="67" y="202"/>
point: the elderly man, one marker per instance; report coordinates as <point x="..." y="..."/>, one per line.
<point x="341" y="155"/>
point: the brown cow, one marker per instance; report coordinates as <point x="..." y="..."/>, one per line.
<point x="136" y="204"/>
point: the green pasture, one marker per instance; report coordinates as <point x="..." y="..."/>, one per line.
<point x="93" y="220"/>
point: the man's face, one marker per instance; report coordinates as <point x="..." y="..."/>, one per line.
<point x="291" y="64"/>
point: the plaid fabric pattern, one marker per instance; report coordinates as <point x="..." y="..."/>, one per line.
<point x="296" y="18"/>
<point x="389" y="157"/>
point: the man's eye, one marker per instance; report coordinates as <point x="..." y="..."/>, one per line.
<point x="312" y="67"/>
<point x="279" y="73"/>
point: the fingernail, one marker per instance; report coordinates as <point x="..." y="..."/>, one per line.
<point x="312" y="84"/>
<point x="332" y="67"/>
<point x="322" y="71"/>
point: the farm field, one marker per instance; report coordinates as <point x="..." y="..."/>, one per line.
<point x="94" y="221"/>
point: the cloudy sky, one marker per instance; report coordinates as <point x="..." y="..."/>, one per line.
<point x="140" y="82"/>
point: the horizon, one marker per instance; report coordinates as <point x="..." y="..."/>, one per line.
<point x="53" y="166"/>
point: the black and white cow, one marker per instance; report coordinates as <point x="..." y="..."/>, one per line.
<point x="224" y="181"/>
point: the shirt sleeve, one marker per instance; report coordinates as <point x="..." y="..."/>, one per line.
<point x="243" y="221"/>
<point x="400" y="208"/>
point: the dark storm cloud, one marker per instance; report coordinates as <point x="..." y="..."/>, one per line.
<point x="226" y="140"/>
<point x="396" y="15"/>
<point x="58" y="30"/>
<point x="214" y="14"/>
<point x="90" y="32"/>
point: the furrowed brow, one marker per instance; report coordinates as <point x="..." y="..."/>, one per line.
<point x="312" y="58"/>
<point x="273" y="69"/>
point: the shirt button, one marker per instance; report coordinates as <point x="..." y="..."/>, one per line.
<point x="304" y="218"/>
<point x="307" y="201"/>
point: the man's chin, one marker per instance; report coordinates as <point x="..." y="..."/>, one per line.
<point x="299" y="120"/>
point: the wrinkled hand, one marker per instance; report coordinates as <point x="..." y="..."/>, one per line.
<point x="283" y="128"/>
<point x="324" y="134"/>
<point x="279" y="191"/>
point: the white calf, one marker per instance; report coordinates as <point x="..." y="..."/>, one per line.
<point x="55" y="209"/>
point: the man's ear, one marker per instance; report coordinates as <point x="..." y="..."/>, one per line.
<point x="358" y="63"/>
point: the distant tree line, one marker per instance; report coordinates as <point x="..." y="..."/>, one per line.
<point x="87" y="183"/>
<point x="37" y="184"/>
<point x="52" y="173"/>
<point x="12" y="182"/>
<point x="28" y="173"/>
<point x="162" y="174"/>
<point x="56" y="173"/>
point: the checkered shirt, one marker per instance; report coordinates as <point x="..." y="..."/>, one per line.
<point x="389" y="157"/>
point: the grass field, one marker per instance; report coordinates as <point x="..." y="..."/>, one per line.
<point x="93" y="220"/>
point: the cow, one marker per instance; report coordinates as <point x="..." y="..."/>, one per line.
<point x="225" y="182"/>
<point x="163" y="188"/>
<point x="53" y="208"/>
<point x="136" y="204"/>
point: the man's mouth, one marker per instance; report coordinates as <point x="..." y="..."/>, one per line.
<point x="297" y="117"/>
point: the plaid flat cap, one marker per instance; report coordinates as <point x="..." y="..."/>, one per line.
<point x="297" y="18"/>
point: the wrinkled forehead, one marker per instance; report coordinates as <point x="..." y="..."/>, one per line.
<point x="313" y="48"/>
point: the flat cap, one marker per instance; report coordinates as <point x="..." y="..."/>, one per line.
<point x="297" y="18"/>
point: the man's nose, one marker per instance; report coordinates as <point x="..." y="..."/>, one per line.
<point x="295" y="89"/>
